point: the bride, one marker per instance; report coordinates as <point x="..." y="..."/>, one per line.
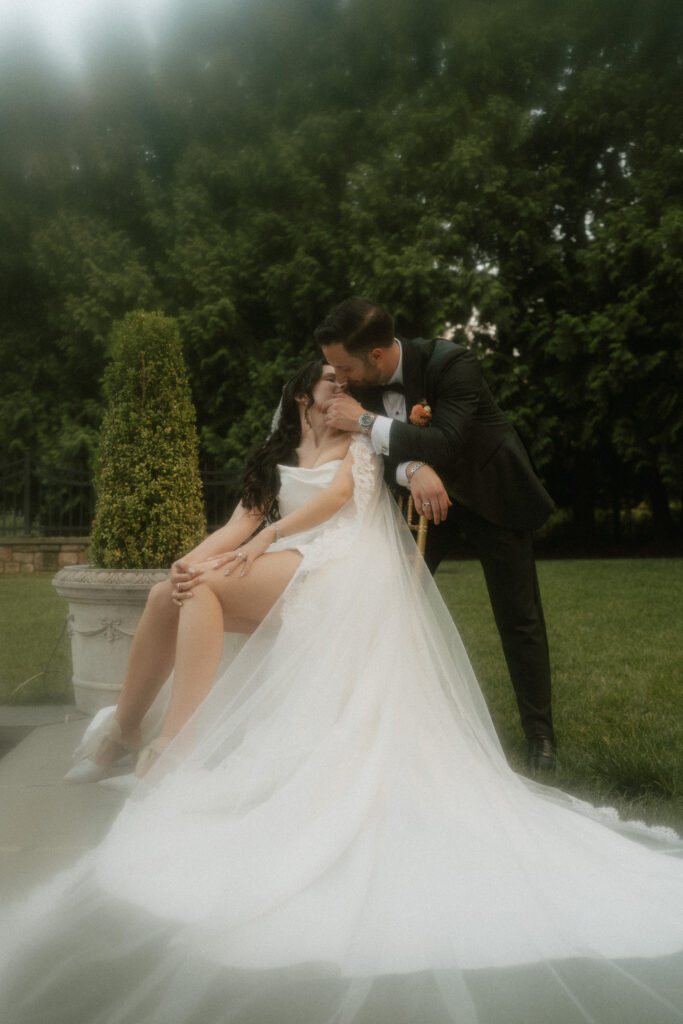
<point x="191" y="645"/>
<point x="330" y="832"/>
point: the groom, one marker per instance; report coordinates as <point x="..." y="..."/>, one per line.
<point x="466" y="469"/>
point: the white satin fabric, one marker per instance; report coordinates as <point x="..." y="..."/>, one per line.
<point x="336" y="837"/>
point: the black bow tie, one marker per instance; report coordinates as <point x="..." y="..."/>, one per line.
<point x="397" y="387"/>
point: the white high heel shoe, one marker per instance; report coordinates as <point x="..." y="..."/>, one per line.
<point x="103" y="731"/>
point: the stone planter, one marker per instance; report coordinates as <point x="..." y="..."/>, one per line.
<point x="105" y="606"/>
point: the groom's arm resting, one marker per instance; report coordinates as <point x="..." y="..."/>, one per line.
<point x="426" y="486"/>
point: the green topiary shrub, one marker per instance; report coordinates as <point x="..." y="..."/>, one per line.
<point x="149" y="507"/>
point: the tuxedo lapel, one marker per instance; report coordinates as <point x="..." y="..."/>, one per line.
<point x="413" y="375"/>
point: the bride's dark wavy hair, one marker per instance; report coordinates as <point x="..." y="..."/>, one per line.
<point x="261" y="479"/>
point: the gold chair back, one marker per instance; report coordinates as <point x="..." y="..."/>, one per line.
<point x="418" y="524"/>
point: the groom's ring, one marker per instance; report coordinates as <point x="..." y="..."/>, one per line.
<point x="178" y="587"/>
<point x="426" y="504"/>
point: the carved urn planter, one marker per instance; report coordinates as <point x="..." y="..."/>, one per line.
<point x="149" y="506"/>
<point x="105" y="606"/>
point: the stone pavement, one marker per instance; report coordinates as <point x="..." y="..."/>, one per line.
<point x="45" y="823"/>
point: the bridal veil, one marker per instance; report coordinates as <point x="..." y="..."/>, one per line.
<point x="336" y="837"/>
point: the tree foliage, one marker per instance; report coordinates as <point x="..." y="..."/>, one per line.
<point x="519" y="160"/>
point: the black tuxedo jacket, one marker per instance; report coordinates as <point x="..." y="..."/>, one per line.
<point x="470" y="443"/>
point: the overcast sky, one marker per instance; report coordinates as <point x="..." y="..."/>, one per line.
<point x="61" y="23"/>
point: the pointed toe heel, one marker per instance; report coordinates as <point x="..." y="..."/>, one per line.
<point x="101" y="754"/>
<point x="86" y="770"/>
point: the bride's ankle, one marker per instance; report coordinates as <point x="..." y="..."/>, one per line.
<point x="130" y="735"/>
<point x="150" y="754"/>
<point x="116" y="743"/>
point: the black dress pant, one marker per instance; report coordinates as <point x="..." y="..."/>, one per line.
<point x="507" y="559"/>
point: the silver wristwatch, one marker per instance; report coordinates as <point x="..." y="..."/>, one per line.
<point x="365" y="421"/>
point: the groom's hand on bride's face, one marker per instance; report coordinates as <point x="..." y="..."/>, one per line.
<point x="342" y="412"/>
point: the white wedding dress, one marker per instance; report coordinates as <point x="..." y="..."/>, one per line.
<point x="336" y="837"/>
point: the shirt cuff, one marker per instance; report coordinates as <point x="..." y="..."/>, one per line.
<point x="401" y="475"/>
<point x="379" y="435"/>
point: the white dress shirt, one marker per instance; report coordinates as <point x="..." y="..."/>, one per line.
<point x="395" y="407"/>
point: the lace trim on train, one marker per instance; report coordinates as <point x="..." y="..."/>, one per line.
<point x="609" y="816"/>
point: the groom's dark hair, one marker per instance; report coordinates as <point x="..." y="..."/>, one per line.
<point x="358" y="324"/>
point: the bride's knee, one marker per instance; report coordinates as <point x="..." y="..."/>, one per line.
<point x="215" y="582"/>
<point x="221" y="586"/>
<point x="159" y="597"/>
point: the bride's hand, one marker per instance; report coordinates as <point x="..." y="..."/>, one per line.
<point x="246" y="555"/>
<point x="185" y="577"/>
<point x="183" y="580"/>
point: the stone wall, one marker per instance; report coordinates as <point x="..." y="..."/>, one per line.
<point x="41" y="554"/>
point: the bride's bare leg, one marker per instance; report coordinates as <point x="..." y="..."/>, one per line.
<point x="221" y="604"/>
<point x="151" y="660"/>
<point x="149" y="665"/>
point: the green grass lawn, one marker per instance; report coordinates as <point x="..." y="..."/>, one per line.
<point x="35" y="654"/>
<point x="614" y="628"/>
<point x="615" y="643"/>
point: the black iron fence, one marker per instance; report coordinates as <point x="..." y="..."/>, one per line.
<point x="221" y="494"/>
<point x="46" y="501"/>
<point x="37" y="500"/>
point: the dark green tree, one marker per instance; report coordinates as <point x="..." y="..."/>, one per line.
<point x="512" y="165"/>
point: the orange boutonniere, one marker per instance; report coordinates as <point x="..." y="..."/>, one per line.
<point x="420" y="414"/>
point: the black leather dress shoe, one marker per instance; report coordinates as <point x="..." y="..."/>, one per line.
<point x="541" y="754"/>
